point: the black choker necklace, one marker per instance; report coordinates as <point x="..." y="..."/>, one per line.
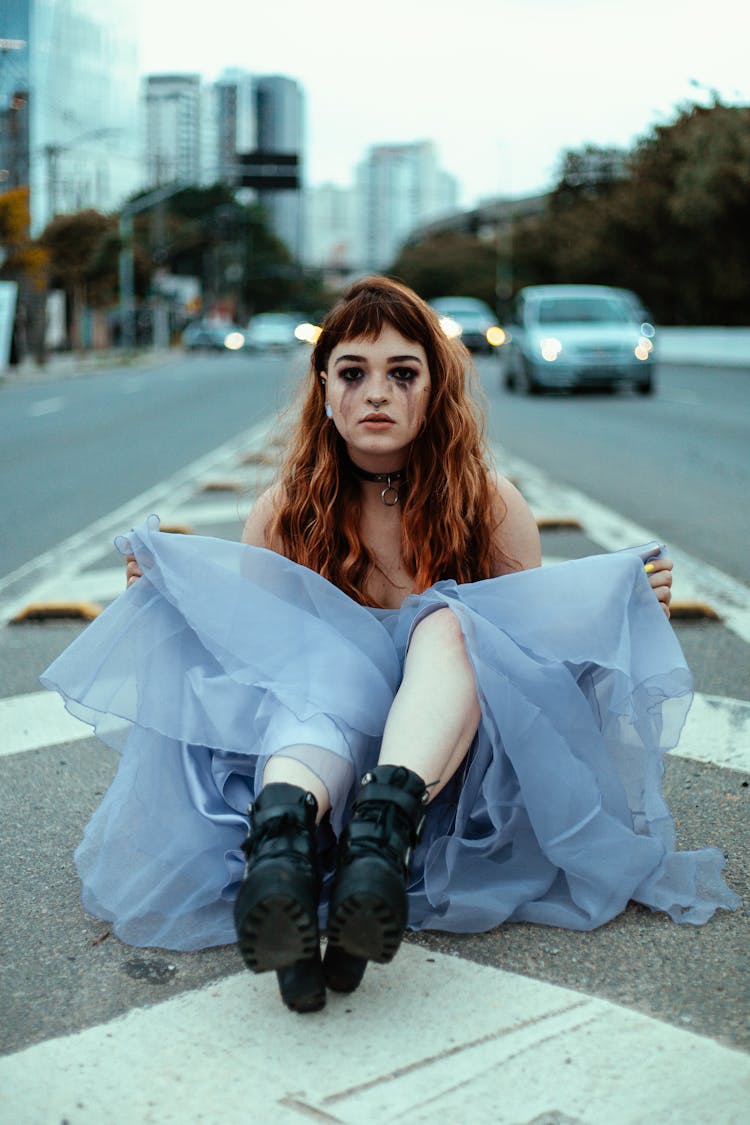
<point x="390" y="494"/>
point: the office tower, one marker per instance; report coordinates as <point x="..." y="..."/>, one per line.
<point x="173" y="128"/>
<point x="279" y="105"/>
<point x="330" y="231"/>
<point x="234" y="122"/>
<point x="69" y="104"/>
<point x="398" y="187"/>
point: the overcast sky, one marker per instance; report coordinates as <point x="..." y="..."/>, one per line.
<point x="503" y="87"/>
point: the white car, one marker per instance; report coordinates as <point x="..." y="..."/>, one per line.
<point x="273" y="331"/>
<point x="567" y="336"/>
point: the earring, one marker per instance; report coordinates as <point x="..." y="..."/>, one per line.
<point x="329" y="410"/>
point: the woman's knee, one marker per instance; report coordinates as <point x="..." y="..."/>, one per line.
<point x="439" y="628"/>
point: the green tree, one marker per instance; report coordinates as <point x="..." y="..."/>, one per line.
<point x="690" y="208"/>
<point x="242" y="265"/>
<point x="671" y="219"/>
<point x="83" y="249"/>
<point x="450" y="264"/>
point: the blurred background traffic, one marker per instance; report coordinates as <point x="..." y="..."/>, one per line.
<point x="150" y="210"/>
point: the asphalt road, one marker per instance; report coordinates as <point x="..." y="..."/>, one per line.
<point x="74" y="449"/>
<point x="678" y="462"/>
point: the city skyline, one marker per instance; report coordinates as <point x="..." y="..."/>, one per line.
<point x="502" y="87"/>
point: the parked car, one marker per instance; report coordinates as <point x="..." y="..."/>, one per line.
<point x="471" y="319"/>
<point x="216" y="335"/>
<point x="274" y="331"/>
<point x="568" y="336"/>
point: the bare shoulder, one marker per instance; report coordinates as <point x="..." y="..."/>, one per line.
<point x="516" y="532"/>
<point x="255" y="531"/>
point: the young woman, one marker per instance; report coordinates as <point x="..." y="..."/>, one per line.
<point x="429" y="730"/>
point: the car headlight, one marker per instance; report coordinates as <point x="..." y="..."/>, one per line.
<point x="234" y="341"/>
<point x="307" y="333"/>
<point x="495" y="336"/>
<point x="643" y="348"/>
<point x="451" y="327"/>
<point x="550" y="348"/>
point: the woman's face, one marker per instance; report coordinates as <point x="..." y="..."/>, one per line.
<point x="378" y="391"/>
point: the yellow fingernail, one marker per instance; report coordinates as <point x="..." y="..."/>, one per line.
<point x="649" y="568"/>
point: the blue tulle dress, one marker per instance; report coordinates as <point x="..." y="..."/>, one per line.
<point x="223" y="654"/>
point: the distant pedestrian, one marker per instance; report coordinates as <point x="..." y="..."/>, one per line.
<point x="431" y="731"/>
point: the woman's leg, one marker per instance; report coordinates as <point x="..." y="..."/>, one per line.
<point x="436" y="711"/>
<point x="288" y="769"/>
<point x="429" y="730"/>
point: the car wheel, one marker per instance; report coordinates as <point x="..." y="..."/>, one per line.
<point x="645" y="387"/>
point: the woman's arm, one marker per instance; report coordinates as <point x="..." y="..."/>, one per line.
<point x="255" y="531"/>
<point x="516" y="533"/>
<point x="517" y="537"/>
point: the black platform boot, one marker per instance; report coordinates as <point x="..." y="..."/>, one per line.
<point x="276" y="912"/>
<point x="368" y="911"/>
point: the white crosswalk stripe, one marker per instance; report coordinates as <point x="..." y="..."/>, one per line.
<point x="717" y="729"/>
<point x="506" y="1049"/>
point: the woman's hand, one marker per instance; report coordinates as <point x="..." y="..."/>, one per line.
<point x="659" y="573"/>
<point x="132" y="571"/>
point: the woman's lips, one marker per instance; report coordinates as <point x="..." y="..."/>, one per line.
<point x="376" y="420"/>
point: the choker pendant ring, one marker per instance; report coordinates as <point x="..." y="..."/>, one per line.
<point x="389" y="495"/>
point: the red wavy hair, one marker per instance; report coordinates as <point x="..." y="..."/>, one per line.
<point x="449" y="512"/>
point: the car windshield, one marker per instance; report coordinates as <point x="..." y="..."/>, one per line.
<point x="582" y="310"/>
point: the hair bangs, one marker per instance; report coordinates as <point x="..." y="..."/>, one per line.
<point x="370" y="305"/>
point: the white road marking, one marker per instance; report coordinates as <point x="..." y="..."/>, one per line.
<point x="37" y="720"/>
<point x="46" y="406"/>
<point x="717" y="729"/>
<point x="101" y="585"/>
<point x="467" y="1035"/>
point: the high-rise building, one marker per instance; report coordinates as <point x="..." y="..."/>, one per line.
<point x="173" y="128"/>
<point x="399" y="187"/>
<point x="330" y="230"/>
<point x="235" y="121"/>
<point x="69" y="104"/>
<point x="279" y="106"/>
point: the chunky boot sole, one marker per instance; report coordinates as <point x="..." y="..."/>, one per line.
<point x="274" y="931"/>
<point x="369" y="912"/>
<point x="343" y="971"/>
<point x="302" y="985"/>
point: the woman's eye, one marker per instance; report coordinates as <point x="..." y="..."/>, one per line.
<point x="350" y="374"/>
<point x="403" y="374"/>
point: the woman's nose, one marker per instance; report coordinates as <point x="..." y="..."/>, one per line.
<point x="378" y="391"/>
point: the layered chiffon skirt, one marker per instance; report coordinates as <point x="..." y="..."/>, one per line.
<point x="224" y="654"/>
